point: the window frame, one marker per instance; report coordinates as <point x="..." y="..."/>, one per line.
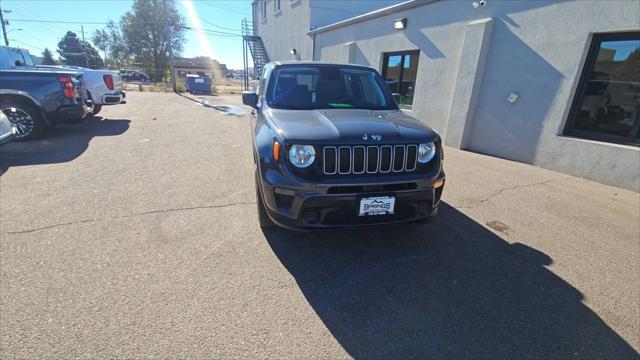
<point x="263" y="10"/>
<point x="28" y="60"/>
<point x="264" y="80"/>
<point x="578" y="97"/>
<point x="385" y="64"/>
<point x="277" y="6"/>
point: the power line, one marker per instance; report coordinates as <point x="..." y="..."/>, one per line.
<point x="25" y="44"/>
<point x="217" y="6"/>
<point x="79" y="22"/>
<point x="144" y="22"/>
<point x="57" y="21"/>
<point x="207" y="32"/>
<point x="211" y="32"/>
<point x="29" y="37"/>
<point x="218" y="26"/>
<point x="23" y="9"/>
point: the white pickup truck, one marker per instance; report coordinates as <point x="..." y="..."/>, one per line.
<point x="104" y="87"/>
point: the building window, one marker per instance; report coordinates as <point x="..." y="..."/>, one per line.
<point x="263" y="10"/>
<point x="276" y="6"/>
<point x="399" y="70"/>
<point x="607" y="101"/>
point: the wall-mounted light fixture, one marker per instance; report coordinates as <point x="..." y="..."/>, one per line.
<point x="513" y="97"/>
<point x="400" y="24"/>
<point x="294" y="53"/>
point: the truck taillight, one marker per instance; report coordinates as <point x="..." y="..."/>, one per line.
<point x="108" y="80"/>
<point x="69" y="88"/>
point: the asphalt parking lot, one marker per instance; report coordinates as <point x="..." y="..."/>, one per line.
<point x="135" y="235"/>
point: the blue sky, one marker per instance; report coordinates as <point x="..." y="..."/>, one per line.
<point x="35" y="36"/>
<point x="622" y="48"/>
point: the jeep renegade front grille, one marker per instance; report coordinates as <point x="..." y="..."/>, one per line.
<point x="344" y="160"/>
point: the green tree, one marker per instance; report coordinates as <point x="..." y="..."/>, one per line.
<point x="119" y="53"/>
<point x="74" y="51"/>
<point x="149" y="30"/>
<point x="101" y="39"/>
<point x="48" y="58"/>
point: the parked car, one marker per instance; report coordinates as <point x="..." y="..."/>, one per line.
<point x="133" y="76"/>
<point x="238" y="76"/>
<point x="333" y="150"/>
<point x="104" y="87"/>
<point x="7" y="129"/>
<point x="35" y="98"/>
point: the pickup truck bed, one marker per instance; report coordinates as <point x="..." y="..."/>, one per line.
<point x="33" y="99"/>
<point x="104" y="87"/>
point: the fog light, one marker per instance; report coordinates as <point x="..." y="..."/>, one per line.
<point x="310" y="214"/>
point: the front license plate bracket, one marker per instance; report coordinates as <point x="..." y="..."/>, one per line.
<point x="377" y="205"/>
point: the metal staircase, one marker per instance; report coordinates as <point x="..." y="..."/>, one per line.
<point x="252" y="44"/>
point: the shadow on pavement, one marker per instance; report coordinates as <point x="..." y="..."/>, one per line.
<point x="61" y="143"/>
<point x="451" y="289"/>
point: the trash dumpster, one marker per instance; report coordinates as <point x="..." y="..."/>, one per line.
<point x="197" y="84"/>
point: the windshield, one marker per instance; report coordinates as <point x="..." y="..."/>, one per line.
<point x="308" y="87"/>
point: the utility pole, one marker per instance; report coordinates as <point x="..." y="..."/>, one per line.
<point x="4" y="30"/>
<point x="169" y="47"/>
<point x="84" y="48"/>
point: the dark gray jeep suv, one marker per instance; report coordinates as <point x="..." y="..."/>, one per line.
<point x="333" y="150"/>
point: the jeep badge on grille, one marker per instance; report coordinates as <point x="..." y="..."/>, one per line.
<point x="373" y="137"/>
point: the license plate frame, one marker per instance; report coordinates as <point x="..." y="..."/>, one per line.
<point x="377" y="205"/>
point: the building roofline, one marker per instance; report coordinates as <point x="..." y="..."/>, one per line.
<point x="373" y="14"/>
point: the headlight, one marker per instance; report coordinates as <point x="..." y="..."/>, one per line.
<point x="302" y="156"/>
<point x="426" y="152"/>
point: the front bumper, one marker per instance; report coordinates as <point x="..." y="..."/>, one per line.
<point x="319" y="207"/>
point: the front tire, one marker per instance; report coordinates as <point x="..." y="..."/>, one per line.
<point x="96" y="109"/>
<point x="25" y="117"/>
<point x="263" y="217"/>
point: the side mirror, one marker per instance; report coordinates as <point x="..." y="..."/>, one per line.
<point x="250" y="98"/>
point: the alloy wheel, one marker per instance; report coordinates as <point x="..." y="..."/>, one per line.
<point x="21" y="120"/>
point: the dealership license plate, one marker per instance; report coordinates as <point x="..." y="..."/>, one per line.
<point x="382" y="205"/>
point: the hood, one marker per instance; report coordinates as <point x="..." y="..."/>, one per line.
<point x="349" y="126"/>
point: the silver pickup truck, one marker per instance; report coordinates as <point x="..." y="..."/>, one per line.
<point x="104" y="87"/>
